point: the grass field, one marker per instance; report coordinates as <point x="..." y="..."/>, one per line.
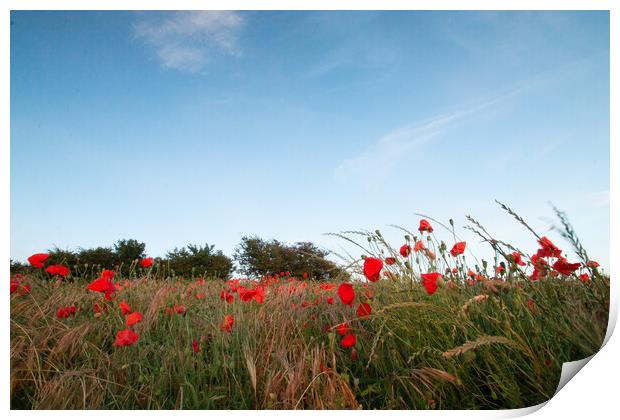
<point x="479" y="337"/>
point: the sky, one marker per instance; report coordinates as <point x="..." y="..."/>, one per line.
<point x="201" y="127"/>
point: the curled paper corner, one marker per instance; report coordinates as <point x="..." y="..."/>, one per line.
<point x="569" y="370"/>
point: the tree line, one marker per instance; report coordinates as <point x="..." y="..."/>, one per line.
<point x="253" y="256"/>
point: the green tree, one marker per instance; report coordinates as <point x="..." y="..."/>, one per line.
<point x="195" y="260"/>
<point x="257" y="257"/>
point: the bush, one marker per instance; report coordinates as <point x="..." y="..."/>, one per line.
<point x="195" y="260"/>
<point x="257" y="257"/>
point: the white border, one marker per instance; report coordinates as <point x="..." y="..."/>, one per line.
<point x="593" y="394"/>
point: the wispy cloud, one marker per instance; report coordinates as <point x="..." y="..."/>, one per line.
<point x="382" y="156"/>
<point x="186" y="41"/>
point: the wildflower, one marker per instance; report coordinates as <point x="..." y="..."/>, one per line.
<point x="146" y="262"/>
<point x="592" y="264"/>
<point x="57" y="270"/>
<point x="346" y="294"/>
<point x="390" y="260"/>
<point x="548" y="248"/>
<point x="419" y="246"/>
<point x="364" y="310"/>
<point x="227" y="324"/>
<point x="66" y="311"/>
<point x="425" y="226"/>
<point x="564" y="267"/>
<point x="101" y="285"/>
<point x="343" y="328"/>
<point x="517" y="259"/>
<point x="348" y="341"/>
<point x="372" y="268"/>
<point x="585" y="277"/>
<point x="405" y="250"/>
<point x="125" y="308"/>
<point x="133" y="318"/>
<point x="429" y="281"/>
<point x="195" y="346"/>
<point x="457" y="249"/>
<point x="107" y="274"/>
<point x="37" y="260"/>
<point x="330" y="300"/>
<point x="304" y="275"/>
<point x="126" y="338"/>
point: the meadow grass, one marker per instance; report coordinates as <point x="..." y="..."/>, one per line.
<point x="498" y="342"/>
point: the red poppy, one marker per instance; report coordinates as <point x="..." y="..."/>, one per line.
<point x="102" y="285"/>
<point x="66" y="312"/>
<point x="390" y="260"/>
<point x="419" y="246"/>
<point x="457" y="249"/>
<point x="405" y="250"/>
<point x="227" y="324"/>
<point x="364" y="310"/>
<point x="195" y="346"/>
<point x="425" y="226"/>
<point x="343" y="328"/>
<point x="346" y="294"/>
<point x="348" y="341"/>
<point x="107" y="274"/>
<point x="133" y="318"/>
<point x="584" y="277"/>
<point x="330" y="300"/>
<point x="429" y="281"/>
<point x="564" y="267"/>
<point x="126" y="338"/>
<point x="37" y="260"/>
<point x="146" y="262"/>
<point x="592" y="264"/>
<point x="57" y="270"/>
<point x="516" y="258"/>
<point x="548" y="248"/>
<point x="125" y="308"/>
<point x="304" y="275"/>
<point x="372" y="268"/>
<point x="499" y="269"/>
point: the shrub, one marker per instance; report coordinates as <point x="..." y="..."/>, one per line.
<point x="257" y="257"/>
<point x="195" y="260"/>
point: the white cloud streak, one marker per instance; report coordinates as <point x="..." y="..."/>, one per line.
<point x="186" y="41"/>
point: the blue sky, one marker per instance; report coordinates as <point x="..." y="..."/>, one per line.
<point x="193" y="127"/>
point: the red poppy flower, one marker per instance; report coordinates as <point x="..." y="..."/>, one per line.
<point x="246" y="295"/>
<point x="195" y="346"/>
<point x="14" y="284"/>
<point x="405" y="250"/>
<point x="304" y="275"/>
<point x="107" y="274"/>
<point x="37" y="260"/>
<point x="516" y="257"/>
<point x="348" y="341"/>
<point x="343" y="328"/>
<point x="372" y="268"/>
<point x="419" y="246"/>
<point x="457" y="249"/>
<point x="57" y="270"/>
<point x="364" y="310"/>
<point x="126" y="338"/>
<point x="125" y="308"/>
<point x="227" y="324"/>
<point x="499" y="269"/>
<point x="133" y="318"/>
<point x="584" y="277"/>
<point x="330" y="300"/>
<point x="593" y="264"/>
<point x="548" y="248"/>
<point x="429" y="281"/>
<point x="346" y="294"/>
<point x="564" y="267"/>
<point x="390" y="260"/>
<point x="146" y="262"/>
<point x="425" y="226"/>
<point x="102" y="285"/>
<point x="66" y="312"/>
